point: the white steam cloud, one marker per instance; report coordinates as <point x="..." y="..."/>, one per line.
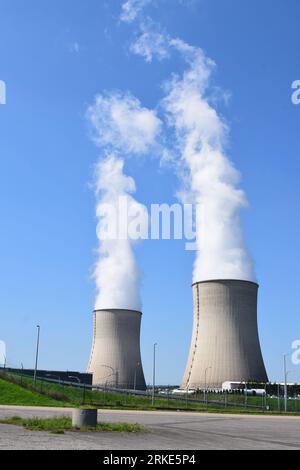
<point x="132" y="8"/>
<point x="116" y="274"/>
<point x="151" y="42"/>
<point x="210" y="180"/>
<point x="121" y="125"/>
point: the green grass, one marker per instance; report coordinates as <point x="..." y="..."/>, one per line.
<point x="52" y="394"/>
<point x="75" y="397"/>
<point x="13" y="394"/>
<point x="61" y="424"/>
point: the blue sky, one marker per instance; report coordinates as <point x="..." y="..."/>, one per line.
<point x="55" y="57"/>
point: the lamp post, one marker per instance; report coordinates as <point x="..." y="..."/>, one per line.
<point x="22" y="368"/>
<point x="135" y="376"/>
<point x="205" y="387"/>
<point x="266" y="398"/>
<point x="286" y="373"/>
<point x="37" y="352"/>
<point x="244" y="381"/>
<point x="154" y="372"/>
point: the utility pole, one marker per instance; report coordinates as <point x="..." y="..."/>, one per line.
<point x="135" y="375"/>
<point x="266" y="397"/>
<point x="285" y="384"/>
<point x="205" y="385"/>
<point x="154" y="373"/>
<point x="37" y="353"/>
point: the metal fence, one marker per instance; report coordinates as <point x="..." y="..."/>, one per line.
<point x="77" y="393"/>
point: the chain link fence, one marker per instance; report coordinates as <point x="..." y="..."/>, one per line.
<point x="77" y="394"/>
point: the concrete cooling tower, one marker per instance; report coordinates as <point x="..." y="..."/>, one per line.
<point x="225" y="342"/>
<point x="116" y="358"/>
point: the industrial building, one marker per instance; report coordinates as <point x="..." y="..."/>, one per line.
<point x="225" y="342"/>
<point x="116" y="357"/>
<point x="66" y="377"/>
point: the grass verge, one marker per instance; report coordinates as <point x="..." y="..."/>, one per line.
<point x="18" y="390"/>
<point x="13" y="394"/>
<point x="61" y="424"/>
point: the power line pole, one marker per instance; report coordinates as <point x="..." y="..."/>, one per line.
<point x="285" y="384"/>
<point x="154" y="373"/>
<point x="37" y="353"/>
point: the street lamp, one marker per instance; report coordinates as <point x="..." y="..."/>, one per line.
<point x="246" y="391"/>
<point x="286" y="373"/>
<point x="205" y="384"/>
<point x="37" y="352"/>
<point x="154" y="372"/>
<point x="266" y="397"/>
<point x="135" y="375"/>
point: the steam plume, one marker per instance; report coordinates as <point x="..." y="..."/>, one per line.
<point x="122" y="128"/>
<point x="116" y="274"/>
<point x="131" y="9"/>
<point x="210" y="178"/>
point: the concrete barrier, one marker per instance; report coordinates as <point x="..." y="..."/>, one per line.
<point x="84" y="418"/>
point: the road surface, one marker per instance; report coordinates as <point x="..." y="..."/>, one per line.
<point x="166" y="431"/>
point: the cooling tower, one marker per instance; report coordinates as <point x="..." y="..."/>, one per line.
<point x="225" y="342"/>
<point x="116" y="358"/>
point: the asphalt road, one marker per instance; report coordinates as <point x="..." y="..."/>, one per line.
<point x="166" y="431"/>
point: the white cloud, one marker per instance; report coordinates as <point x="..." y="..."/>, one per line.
<point x="132" y="8"/>
<point x="121" y="123"/>
<point x="150" y="43"/>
